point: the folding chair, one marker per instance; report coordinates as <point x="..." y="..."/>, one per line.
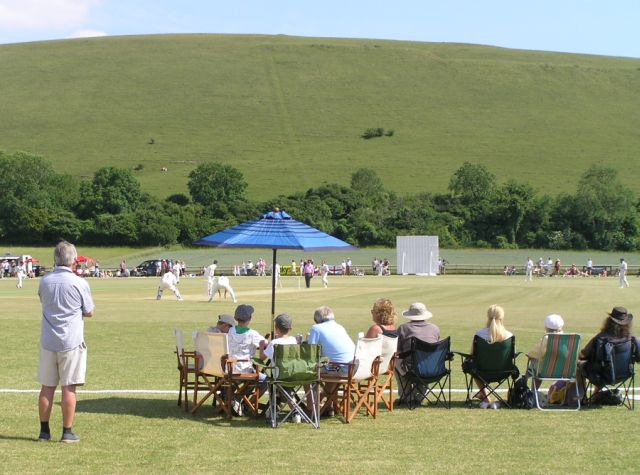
<point x="295" y="369"/>
<point x="612" y="368"/>
<point x="243" y="388"/>
<point x="211" y="352"/>
<point x="186" y="368"/>
<point x="559" y="364"/>
<point x="492" y="365"/>
<point x="428" y="370"/>
<point x="352" y="392"/>
<point x="384" y="382"/>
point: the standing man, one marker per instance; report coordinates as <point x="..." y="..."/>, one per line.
<point x="324" y="273"/>
<point x="308" y="269"/>
<point x="210" y="273"/>
<point x="529" y="270"/>
<point x="589" y="266"/>
<point x="622" y="274"/>
<point x="66" y="301"/>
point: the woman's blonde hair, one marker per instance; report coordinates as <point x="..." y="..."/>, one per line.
<point x="495" y="323"/>
<point x="384" y="313"/>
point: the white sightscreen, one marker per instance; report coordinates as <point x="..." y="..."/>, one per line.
<point x="417" y="255"/>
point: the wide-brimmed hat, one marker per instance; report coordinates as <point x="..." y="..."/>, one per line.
<point x="417" y="311"/>
<point x="554" y="322"/>
<point x="621" y="316"/>
<point x="243" y="313"/>
<point x="226" y="318"/>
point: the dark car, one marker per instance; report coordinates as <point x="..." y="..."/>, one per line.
<point x="146" y="268"/>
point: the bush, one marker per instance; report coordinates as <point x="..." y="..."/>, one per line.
<point x="371" y="133"/>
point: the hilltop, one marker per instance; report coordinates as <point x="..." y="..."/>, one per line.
<point x="288" y="112"/>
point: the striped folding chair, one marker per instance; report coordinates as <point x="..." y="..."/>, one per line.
<point x="559" y="363"/>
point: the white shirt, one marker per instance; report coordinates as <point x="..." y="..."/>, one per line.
<point x="223" y="281"/>
<point x="210" y="271"/>
<point x="623" y="267"/>
<point x="169" y="279"/>
<point x="243" y="346"/>
<point x="285" y="340"/>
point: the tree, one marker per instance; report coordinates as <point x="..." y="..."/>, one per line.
<point x="214" y="182"/>
<point x="472" y="183"/>
<point x="112" y="191"/>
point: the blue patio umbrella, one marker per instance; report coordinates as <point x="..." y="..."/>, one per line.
<point x="275" y="230"/>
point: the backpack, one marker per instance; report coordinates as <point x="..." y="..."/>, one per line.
<point x="520" y="396"/>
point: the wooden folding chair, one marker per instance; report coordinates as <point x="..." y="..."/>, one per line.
<point x="384" y="381"/>
<point x="354" y="391"/>
<point x="186" y="368"/>
<point x="243" y="388"/>
<point x="211" y="353"/>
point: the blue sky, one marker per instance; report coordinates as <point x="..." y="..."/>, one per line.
<point x="577" y="26"/>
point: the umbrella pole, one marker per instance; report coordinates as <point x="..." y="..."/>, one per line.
<point x="273" y="294"/>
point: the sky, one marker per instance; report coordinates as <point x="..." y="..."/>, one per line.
<point x="598" y="27"/>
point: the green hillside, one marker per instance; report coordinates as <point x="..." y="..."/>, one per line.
<point x="288" y="112"/>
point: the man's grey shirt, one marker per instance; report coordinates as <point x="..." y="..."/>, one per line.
<point x="65" y="297"/>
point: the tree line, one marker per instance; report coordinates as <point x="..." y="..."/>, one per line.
<point x="40" y="206"/>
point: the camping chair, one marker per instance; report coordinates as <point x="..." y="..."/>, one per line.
<point x="384" y="382"/>
<point x="186" y="367"/>
<point x="612" y="367"/>
<point x="558" y="364"/>
<point x="353" y="392"/>
<point x="428" y="370"/>
<point x="211" y="352"/>
<point x="295" y="369"/>
<point x="492" y="365"/>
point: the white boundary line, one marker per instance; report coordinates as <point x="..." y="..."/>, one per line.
<point x="172" y="392"/>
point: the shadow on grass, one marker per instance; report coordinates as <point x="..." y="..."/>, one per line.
<point x="163" y="409"/>
<point x="15" y="437"/>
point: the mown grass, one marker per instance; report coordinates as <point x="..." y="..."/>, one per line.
<point x="288" y="112"/>
<point x="130" y="348"/>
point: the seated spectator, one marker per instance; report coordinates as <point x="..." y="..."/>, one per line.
<point x="243" y="341"/>
<point x="385" y="318"/>
<point x="418" y="327"/>
<point x="552" y="324"/>
<point x="615" y="329"/>
<point x="493" y="332"/>
<point x="336" y="343"/>
<point x="243" y="344"/>
<point x="283" y="325"/>
<point x="225" y="323"/>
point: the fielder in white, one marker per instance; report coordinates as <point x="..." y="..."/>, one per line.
<point x="220" y="283"/>
<point x="529" y="270"/>
<point x="210" y="274"/>
<point x="324" y="273"/>
<point x="622" y="274"/>
<point x="276" y="269"/>
<point x="21" y="273"/>
<point x="168" y="281"/>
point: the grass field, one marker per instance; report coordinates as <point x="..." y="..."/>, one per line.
<point x="288" y="112"/>
<point x="130" y="342"/>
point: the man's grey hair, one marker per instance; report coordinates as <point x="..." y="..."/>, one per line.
<point x="65" y="254"/>
<point x="322" y="314"/>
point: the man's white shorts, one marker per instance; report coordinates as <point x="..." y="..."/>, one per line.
<point x="64" y="368"/>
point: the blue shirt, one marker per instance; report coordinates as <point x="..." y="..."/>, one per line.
<point x="65" y="297"/>
<point x="336" y="343"/>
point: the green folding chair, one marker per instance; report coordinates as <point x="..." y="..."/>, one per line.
<point x="294" y="384"/>
<point x="491" y="365"/>
<point x="558" y="364"/>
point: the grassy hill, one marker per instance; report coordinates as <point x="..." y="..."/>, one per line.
<point x="288" y="112"/>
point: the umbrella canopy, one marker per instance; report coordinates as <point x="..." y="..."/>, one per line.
<point x="275" y="230"/>
<point x="84" y="259"/>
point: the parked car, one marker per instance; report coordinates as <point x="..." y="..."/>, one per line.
<point x="146" y="268"/>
